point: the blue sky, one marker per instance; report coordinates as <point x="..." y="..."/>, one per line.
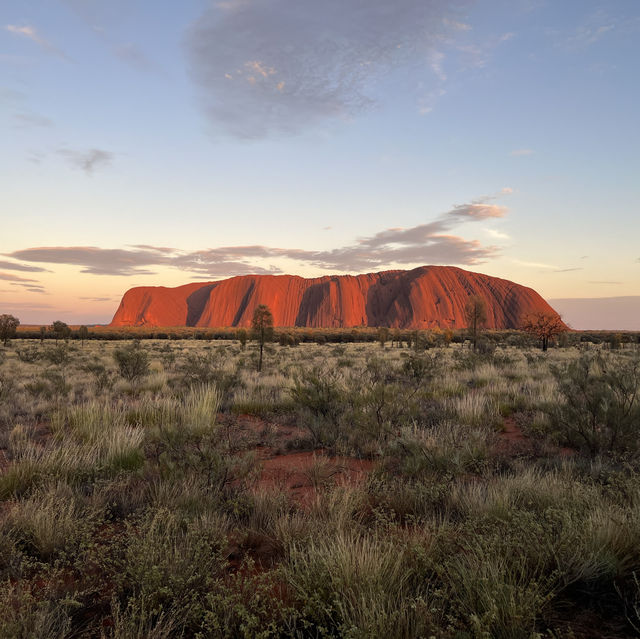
<point x="159" y="143"/>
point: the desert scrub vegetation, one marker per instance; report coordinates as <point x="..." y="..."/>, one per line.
<point x="166" y="488"/>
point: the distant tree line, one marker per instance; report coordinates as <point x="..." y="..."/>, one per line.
<point x="542" y="329"/>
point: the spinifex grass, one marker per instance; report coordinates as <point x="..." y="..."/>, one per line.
<point x="140" y="508"/>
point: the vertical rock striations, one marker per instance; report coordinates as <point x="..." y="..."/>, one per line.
<point x="425" y="297"/>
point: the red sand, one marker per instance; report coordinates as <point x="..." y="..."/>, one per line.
<point x="301" y="474"/>
<point x="513" y="441"/>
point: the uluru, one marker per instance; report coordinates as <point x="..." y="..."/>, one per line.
<point x="421" y="298"/>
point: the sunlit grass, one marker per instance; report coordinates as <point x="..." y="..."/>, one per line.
<point x="144" y="511"/>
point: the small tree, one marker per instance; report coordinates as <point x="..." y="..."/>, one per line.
<point x="475" y="313"/>
<point x="287" y="339"/>
<point x="615" y="341"/>
<point x="43" y="333"/>
<point x="133" y="362"/>
<point x="262" y="326"/>
<point x="8" y="326"/>
<point x="383" y="335"/>
<point x="543" y="325"/>
<point x="60" y="330"/>
<point x="58" y="355"/>
<point x="83" y="333"/>
<point x="241" y="335"/>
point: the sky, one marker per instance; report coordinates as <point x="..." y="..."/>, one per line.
<point x="160" y="143"/>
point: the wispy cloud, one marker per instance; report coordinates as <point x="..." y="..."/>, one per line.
<point x="586" y="36"/>
<point x="595" y="27"/>
<point x="99" y="299"/>
<point x="31" y="288"/>
<point x="547" y="267"/>
<point x="157" y="249"/>
<point x="10" y="96"/>
<point x="533" y="264"/>
<point x="476" y="55"/>
<point x="27" y="284"/>
<point x="499" y="235"/>
<point x="104" y="17"/>
<point x="521" y="152"/>
<point x="436" y="59"/>
<point x="428" y="99"/>
<point x="277" y="66"/>
<point x="477" y="211"/>
<point x="23" y="116"/>
<point x="92" y="259"/>
<point x="28" y="119"/>
<point x="89" y="160"/>
<point x="132" y="55"/>
<point x="456" y="25"/>
<point x="25" y="268"/>
<point x="32" y="34"/>
<point x="11" y="277"/>
<point x="609" y="21"/>
<point x="15" y="306"/>
<point x="429" y="243"/>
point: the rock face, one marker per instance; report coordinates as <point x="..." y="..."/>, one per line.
<point x="425" y="297"/>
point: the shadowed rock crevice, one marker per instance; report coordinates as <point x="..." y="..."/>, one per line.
<point x="196" y="303"/>
<point x="311" y="301"/>
<point x="243" y="305"/>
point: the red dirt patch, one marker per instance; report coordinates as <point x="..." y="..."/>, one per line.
<point x="251" y="431"/>
<point x="511" y="431"/>
<point x="513" y="441"/>
<point x="301" y="475"/>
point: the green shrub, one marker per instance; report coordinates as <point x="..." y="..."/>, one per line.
<point x="495" y="591"/>
<point x="49" y="521"/>
<point x="169" y="565"/>
<point x="420" y="368"/>
<point x="139" y="619"/>
<point x="320" y="396"/>
<point x="444" y="450"/>
<point x="600" y="407"/>
<point x="133" y="362"/>
<point x="202" y="369"/>
<point x="358" y="586"/>
<point x="249" y="604"/>
<point x="28" y="354"/>
<point x="27" y="615"/>
<point x="102" y="377"/>
<point x="7" y="387"/>
<point x="58" y="355"/>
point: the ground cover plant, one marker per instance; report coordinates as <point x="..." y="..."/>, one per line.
<point x="405" y="486"/>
